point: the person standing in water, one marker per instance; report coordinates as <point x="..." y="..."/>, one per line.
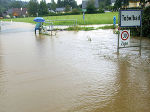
<point x="38" y="27"/>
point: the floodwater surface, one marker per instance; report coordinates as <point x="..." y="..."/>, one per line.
<point x="71" y="72"/>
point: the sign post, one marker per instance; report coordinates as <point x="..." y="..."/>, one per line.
<point x="84" y="17"/>
<point x="84" y="10"/>
<point x="128" y="19"/>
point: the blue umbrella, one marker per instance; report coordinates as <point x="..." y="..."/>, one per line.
<point x="39" y="19"/>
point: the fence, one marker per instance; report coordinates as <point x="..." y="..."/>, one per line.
<point x="62" y="23"/>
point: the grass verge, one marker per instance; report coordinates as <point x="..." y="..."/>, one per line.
<point x="77" y="28"/>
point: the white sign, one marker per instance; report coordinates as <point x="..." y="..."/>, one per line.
<point x="130" y="18"/>
<point x="124" y="38"/>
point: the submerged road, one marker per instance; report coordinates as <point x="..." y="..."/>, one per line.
<point x="71" y="72"/>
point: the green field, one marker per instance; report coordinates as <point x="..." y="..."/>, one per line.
<point x="90" y="19"/>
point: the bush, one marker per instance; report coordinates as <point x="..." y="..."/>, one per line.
<point x="101" y="10"/>
<point x="146" y="22"/>
<point x="75" y="11"/>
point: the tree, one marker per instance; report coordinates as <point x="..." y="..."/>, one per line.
<point x="43" y="9"/>
<point x="91" y="6"/>
<point x="73" y="3"/>
<point x="4" y="5"/>
<point x="120" y="3"/>
<point x="108" y="2"/>
<point x="33" y="7"/>
<point x="117" y="4"/>
<point x="67" y="8"/>
<point x="146" y="22"/>
<point x="53" y="5"/>
<point x="104" y="4"/>
<point x="16" y="4"/>
<point x="60" y="3"/>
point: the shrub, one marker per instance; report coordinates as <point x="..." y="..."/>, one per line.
<point x="101" y="10"/>
<point x="76" y="11"/>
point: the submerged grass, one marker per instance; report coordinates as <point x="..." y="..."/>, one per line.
<point x="90" y="19"/>
<point x="77" y="28"/>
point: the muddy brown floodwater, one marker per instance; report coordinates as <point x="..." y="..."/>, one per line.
<point x="71" y="72"/>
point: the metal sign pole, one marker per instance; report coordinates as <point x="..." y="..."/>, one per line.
<point x="141" y="37"/>
<point x="84" y="17"/>
<point x="118" y="31"/>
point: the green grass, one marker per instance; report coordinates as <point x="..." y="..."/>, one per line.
<point x="90" y="19"/>
<point x="76" y="28"/>
<point x="107" y="27"/>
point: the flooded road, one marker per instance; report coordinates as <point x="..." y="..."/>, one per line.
<point x="71" y="72"/>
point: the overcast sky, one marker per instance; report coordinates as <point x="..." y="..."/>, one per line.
<point x="78" y="1"/>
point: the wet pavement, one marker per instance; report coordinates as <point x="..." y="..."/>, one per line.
<point x="71" y="72"/>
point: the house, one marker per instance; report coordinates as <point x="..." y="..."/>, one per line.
<point x="84" y="4"/>
<point x="133" y="3"/>
<point x="136" y="3"/>
<point x="16" y="12"/>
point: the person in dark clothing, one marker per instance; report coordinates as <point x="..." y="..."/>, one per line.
<point x="38" y="27"/>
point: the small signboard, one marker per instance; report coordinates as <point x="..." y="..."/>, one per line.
<point x="124" y="38"/>
<point x="130" y="18"/>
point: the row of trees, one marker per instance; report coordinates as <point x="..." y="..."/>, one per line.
<point x="67" y="4"/>
<point x="35" y="8"/>
<point x="41" y="8"/>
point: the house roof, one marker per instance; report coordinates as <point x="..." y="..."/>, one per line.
<point x="60" y="9"/>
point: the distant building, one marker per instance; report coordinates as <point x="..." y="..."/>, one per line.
<point x="84" y="4"/>
<point x="16" y="12"/>
<point x="134" y="3"/>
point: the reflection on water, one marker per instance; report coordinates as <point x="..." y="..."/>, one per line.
<point x="69" y="73"/>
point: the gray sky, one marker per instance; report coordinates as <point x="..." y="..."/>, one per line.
<point x="78" y="1"/>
